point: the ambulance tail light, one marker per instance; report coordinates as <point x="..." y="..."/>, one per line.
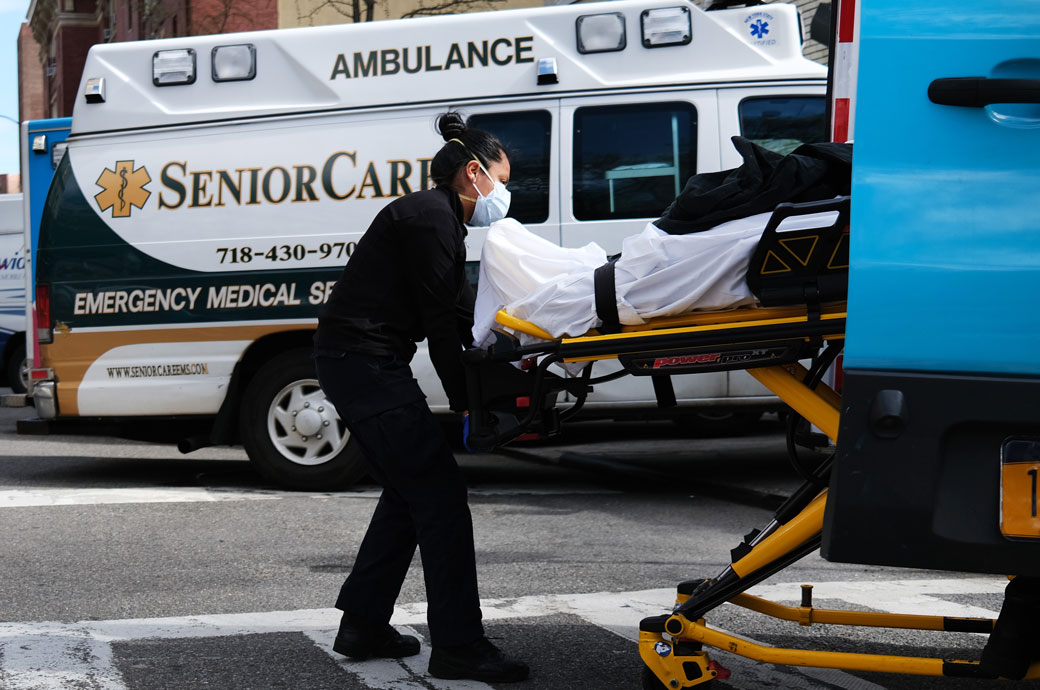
<point x="173" y="67"/>
<point x="44" y="332"/>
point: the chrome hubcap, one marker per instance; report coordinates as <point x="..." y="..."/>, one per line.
<point x="303" y="424"/>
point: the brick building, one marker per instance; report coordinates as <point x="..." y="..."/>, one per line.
<point x="31" y="98"/>
<point x="10" y="183"/>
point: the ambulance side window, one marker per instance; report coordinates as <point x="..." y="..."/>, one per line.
<point x="783" y="123"/>
<point x="631" y="161"/>
<point x="526" y="135"/>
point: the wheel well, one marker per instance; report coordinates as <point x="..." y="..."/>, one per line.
<point x="267" y="347"/>
<point x="225" y="426"/>
<point x="8" y="352"/>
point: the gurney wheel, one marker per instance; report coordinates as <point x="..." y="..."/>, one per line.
<point x="651" y="682"/>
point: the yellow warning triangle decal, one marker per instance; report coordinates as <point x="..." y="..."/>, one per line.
<point x="774" y="264"/>
<point x="801" y="248"/>
<point x="840" y="257"/>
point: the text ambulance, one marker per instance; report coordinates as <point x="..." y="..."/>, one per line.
<point x="215" y="185"/>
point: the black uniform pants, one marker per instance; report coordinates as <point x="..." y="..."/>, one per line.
<point x="424" y="499"/>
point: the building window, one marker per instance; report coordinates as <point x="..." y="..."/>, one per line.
<point x="630" y="161"/>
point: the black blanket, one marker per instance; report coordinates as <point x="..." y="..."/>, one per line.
<point x="809" y="173"/>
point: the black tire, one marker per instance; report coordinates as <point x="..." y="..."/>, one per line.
<point x="16" y="371"/>
<point x="320" y="456"/>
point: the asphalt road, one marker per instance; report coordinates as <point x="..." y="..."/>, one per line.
<point x="128" y="566"/>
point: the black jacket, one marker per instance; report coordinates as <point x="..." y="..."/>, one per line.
<point x="406" y="281"/>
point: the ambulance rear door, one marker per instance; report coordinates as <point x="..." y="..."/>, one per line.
<point x="938" y="449"/>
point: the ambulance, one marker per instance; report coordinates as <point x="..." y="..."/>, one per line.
<point x="12" y="292"/>
<point x="214" y="187"/>
<point x="42" y="144"/>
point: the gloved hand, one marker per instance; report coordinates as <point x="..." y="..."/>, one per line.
<point x="465" y="433"/>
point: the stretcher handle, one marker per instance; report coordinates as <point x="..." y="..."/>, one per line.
<point x="504" y="318"/>
<point x="786" y="210"/>
<point x="978" y="92"/>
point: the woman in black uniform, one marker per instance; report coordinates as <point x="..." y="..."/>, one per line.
<point x="405" y="281"/>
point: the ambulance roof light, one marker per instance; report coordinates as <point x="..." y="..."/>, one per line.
<point x="234" y="63"/>
<point x="666" y="26"/>
<point x="94" y="90"/>
<point x="173" y="67"/>
<point x="601" y="33"/>
<point x="547" y="71"/>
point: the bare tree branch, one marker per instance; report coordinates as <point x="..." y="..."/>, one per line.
<point x="435" y="7"/>
<point x="221" y="15"/>
<point x="364" y="10"/>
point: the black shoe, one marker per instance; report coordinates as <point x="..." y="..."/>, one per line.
<point x="364" y="640"/>
<point x="1015" y="641"/>
<point x="480" y="660"/>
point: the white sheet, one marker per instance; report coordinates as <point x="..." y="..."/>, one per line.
<point x="657" y="275"/>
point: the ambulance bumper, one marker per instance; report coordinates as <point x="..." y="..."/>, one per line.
<point x="45" y="399"/>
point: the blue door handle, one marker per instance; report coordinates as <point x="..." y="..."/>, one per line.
<point x="978" y="92"/>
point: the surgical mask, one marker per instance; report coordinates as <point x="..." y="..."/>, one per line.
<point x="493" y="207"/>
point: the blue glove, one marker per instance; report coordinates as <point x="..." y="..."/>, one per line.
<point x="465" y="434"/>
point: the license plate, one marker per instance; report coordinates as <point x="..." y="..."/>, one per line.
<point x="1019" y="469"/>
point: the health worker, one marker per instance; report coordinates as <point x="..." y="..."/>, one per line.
<point x="404" y="282"/>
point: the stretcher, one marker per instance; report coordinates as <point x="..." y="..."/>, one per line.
<point x="800" y="280"/>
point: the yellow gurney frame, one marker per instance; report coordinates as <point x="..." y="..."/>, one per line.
<point x="670" y="645"/>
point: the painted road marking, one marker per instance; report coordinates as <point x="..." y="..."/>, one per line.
<point x="54" y="656"/>
<point x="30" y="498"/>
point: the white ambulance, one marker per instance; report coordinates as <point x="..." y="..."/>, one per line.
<point x="12" y="292"/>
<point x="214" y="186"/>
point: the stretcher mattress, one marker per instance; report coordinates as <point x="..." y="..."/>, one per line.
<point x="657" y="275"/>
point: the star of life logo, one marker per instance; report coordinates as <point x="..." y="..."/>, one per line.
<point x="122" y="189"/>
<point x="759" y="25"/>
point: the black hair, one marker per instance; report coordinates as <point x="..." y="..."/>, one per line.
<point x="452" y="157"/>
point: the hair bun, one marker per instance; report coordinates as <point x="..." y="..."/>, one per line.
<point x="451" y="125"/>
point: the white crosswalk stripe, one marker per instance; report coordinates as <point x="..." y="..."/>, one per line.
<point x="31" y="498"/>
<point x="55" y="656"/>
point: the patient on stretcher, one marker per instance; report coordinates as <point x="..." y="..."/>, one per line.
<point x="657" y="275"/>
<point x="693" y="258"/>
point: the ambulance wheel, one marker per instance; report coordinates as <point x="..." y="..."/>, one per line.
<point x="17" y="371"/>
<point x="291" y="431"/>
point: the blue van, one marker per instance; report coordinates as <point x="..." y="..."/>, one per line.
<point x="941" y="404"/>
<point x="43" y="145"/>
